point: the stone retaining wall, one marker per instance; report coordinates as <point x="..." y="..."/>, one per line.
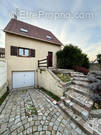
<point x="95" y="67"/>
<point x="3" y="77"/>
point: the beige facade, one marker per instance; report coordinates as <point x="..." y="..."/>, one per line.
<point x="49" y="81"/>
<point x="15" y="63"/>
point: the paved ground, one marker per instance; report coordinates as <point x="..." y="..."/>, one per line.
<point x="20" y="118"/>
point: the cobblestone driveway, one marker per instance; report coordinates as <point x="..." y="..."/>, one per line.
<point x="49" y="120"/>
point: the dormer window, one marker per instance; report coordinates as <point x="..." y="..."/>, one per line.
<point x="23" y="30"/>
<point x="48" y="37"/>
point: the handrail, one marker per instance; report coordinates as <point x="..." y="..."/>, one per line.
<point x="42" y="62"/>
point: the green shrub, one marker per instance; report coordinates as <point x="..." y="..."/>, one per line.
<point x="70" y="57"/>
<point x="99" y="58"/>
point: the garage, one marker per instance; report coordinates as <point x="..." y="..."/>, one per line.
<point x="23" y="79"/>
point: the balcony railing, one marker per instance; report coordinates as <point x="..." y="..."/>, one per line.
<point x="43" y="62"/>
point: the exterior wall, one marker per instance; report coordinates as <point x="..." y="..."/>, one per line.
<point x="15" y="63"/>
<point x="95" y="67"/>
<point x="3" y="77"/>
<point x="46" y="80"/>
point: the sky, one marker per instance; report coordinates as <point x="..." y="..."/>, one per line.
<point x="76" y="22"/>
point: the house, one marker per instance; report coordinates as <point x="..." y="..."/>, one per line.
<point x="2" y="52"/>
<point x="25" y="44"/>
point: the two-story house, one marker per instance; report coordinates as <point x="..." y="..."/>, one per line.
<point x="25" y="44"/>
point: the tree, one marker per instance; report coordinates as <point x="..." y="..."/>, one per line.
<point x="70" y="57"/>
<point x="99" y="58"/>
<point x="85" y="61"/>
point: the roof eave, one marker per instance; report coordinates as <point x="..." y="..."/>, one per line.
<point x="32" y="37"/>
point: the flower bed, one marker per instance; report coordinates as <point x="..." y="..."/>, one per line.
<point x="81" y="69"/>
<point x="63" y="77"/>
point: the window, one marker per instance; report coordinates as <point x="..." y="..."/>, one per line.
<point x="23" y="52"/>
<point x="26" y="52"/>
<point x="48" y="37"/>
<point x="23" y="30"/>
<point x="18" y="51"/>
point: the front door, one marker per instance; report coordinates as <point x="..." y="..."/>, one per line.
<point x="50" y="59"/>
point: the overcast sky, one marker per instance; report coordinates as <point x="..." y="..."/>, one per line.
<point x="72" y="21"/>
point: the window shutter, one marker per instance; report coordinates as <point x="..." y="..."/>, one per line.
<point x="14" y="50"/>
<point x="32" y="53"/>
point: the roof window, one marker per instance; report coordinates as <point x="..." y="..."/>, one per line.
<point x="48" y="37"/>
<point x="23" y="30"/>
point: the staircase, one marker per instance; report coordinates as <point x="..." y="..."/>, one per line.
<point x="76" y="102"/>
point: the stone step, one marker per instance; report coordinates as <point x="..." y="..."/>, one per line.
<point x="81" y="83"/>
<point x="80" y="79"/>
<point x="96" y="113"/>
<point x="75" y="72"/>
<point x="80" y="99"/>
<point x="77" y="109"/>
<point x="80" y="89"/>
<point x="76" y="118"/>
<point x="78" y="75"/>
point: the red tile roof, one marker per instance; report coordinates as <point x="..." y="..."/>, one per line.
<point x="15" y="26"/>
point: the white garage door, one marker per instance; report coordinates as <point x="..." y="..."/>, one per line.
<point x="23" y="79"/>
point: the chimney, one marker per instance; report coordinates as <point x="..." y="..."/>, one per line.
<point x="15" y="16"/>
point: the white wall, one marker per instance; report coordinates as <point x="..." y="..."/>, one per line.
<point x="3" y="76"/>
<point x="49" y="82"/>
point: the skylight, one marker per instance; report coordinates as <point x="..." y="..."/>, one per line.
<point x="48" y="37"/>
<point x="23" y="30"/>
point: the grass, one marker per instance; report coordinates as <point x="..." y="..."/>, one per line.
<point x="30" y="110"/>
<point x="33" y="110"/>
<point x="4" y="97"/>
<point x="63" y="77"/>
<point x="50" y="94"/>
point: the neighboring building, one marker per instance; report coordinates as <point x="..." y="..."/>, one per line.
<point x="25" y="44"/>
<point x="3" y="77"/>
<point x="2" y="52"/>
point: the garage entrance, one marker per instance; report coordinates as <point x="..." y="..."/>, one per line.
<point x="23" y="79"/>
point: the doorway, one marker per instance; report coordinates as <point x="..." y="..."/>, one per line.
<point x="50" y="59"/>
